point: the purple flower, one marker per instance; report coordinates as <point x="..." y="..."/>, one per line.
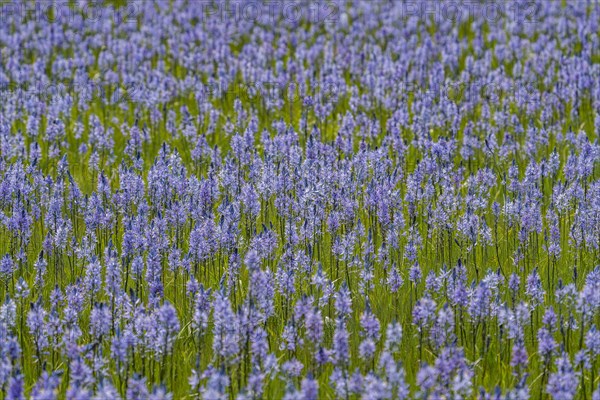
<point x="160" y="393"/>
<point x="369" y="323"/>
<point x="309" y="389"/>
<point x="546" y="344"/>
<point x="45" y="386"/>
<point x="424" y="312"/>
<point x="343" y="302"/>
<point x="314" y="326"/>
<point x="341" y="344"/>
<point x="16" y="388"/>
<point x="6" y="267"/>
<point x="534" y="289"/>
<point x="592" y="340"/>
<point x="166" y="329"/>
<point x="100" y="321"/>
<point x="519" y="357"/>
<point x="414" y="274"/>
<point x="137" y="388"/>
<point x="225" y="328"/>
<point x="563" y="383"/>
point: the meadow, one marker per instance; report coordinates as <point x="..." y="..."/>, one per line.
<point x="300" y="200"/>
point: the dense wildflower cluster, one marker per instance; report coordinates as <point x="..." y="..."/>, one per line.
<point x="366" y="199"/>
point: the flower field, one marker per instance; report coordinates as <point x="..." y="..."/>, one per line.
<point x="300" y="200"/>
